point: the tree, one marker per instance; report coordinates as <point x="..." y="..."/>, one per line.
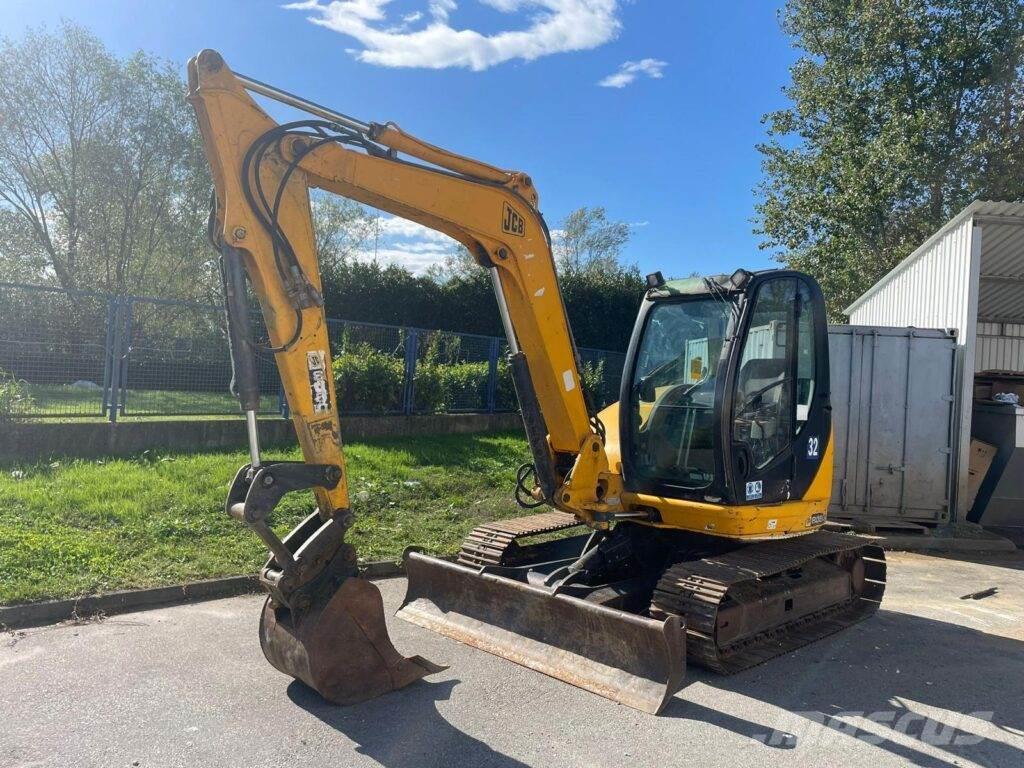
<point x="586" y="242"/>
<point x="341" y="228"/>
<point x="458" y="264"/>
<point x="589" y="243"/>
<point x="601" y="293"/>
<point x="903" y="111"/>
<point x="103" y="182"/>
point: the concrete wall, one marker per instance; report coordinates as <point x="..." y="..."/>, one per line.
<point x="30" y="441"/>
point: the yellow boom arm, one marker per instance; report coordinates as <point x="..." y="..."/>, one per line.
<point x="492" y="212"/>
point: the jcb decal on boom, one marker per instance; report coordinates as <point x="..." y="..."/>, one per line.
<point x="317" y="363"/>
<point x="512" y="222"/>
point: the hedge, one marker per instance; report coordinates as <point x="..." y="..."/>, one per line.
<point x="14" y="397"/>
<point x="368" y="380"/>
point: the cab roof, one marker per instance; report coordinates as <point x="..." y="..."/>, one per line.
<point x="688" y="286"/>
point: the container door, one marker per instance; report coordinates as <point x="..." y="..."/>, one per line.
<point x="892" y="395"/>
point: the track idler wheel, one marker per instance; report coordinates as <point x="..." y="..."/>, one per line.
<point x="339" y="646"/>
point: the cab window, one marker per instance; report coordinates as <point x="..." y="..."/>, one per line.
<point x="673" y="391"/>
<point x="775" y="378"/>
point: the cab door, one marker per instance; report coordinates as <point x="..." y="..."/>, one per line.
<point x="777" y="417"/>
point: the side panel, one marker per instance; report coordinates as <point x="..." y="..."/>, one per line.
<point x="931" y="292"/>
<point x="893" y="423"/>
<point x="1000" y="347"/>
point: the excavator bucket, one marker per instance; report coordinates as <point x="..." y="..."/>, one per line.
<point x="629" y="659"/>
<point x="340" y="648"/>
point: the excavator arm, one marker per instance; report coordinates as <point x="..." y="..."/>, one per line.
<point x="262" y="174"/>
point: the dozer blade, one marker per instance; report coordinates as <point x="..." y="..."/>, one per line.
<point x="627" y="658"/>
<point x="340" y="647"/>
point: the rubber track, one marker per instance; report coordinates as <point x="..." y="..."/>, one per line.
<point x="486" y="544"/>
<point x="696" y="589"/>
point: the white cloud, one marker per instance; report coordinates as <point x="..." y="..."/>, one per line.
<point x="552" y="26"/>
<point x="631" y="70"/>
<point x="408" y="244"/>
<point x="416" y="262"/>
<point x="396" y="226"/>
<point x="439" y="9"/>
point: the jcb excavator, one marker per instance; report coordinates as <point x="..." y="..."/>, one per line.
<point x="701" y="495"/>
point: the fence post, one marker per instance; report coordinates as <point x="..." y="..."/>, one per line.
<point x="116" y="360"/>
<point x="126" y="348"/>
<point x="282" y="402"/>
<point x="108" y="356"/>
<point x="492" y="375"/>
<point x="411" y="353"/>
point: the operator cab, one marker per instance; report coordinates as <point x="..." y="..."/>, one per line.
<point x="725" y="395"/>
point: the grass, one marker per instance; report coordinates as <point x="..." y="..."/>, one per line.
<point x="85" y="526"/>
<point x="50" y="400"/>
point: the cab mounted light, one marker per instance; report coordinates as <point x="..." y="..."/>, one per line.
<point x="739" y="279"/>
<point x="654" y="280"/>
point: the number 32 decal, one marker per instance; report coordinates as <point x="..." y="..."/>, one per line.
<point x="812" y="447"/>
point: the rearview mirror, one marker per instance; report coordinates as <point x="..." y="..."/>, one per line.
<point x="645" y="390"/>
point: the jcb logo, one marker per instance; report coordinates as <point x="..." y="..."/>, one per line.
<point x="512" y="222"/>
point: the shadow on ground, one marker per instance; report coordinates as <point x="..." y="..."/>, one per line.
<point x="936" y="694"/>
<point x="1012" y="560"/>
<point x="403" y="729"/>
<point x="895" y="667"/>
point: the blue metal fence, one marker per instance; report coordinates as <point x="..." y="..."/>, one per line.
<point x="87" y="354"/>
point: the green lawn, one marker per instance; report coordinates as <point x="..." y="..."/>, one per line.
<point x="84" y="526"/>
<point x="49" y="400"/>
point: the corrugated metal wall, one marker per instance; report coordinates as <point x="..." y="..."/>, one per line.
<point x="938" y="289"/>
<point x="1000" y="347"/>
<point x="932" y="292"/>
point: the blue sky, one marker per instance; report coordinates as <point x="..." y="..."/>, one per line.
<point x="672" y="154"/>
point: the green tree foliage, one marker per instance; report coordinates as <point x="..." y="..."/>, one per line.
<point x="366" y="379"/>
<point x="342" y="229"/>
<point x="103" y="183"/>
<point x="601" y="294"/>
<point x="588" y="243"/>
<point x="903" y="111"/>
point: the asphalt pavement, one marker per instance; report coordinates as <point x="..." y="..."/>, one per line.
<point x="931" y="679"/>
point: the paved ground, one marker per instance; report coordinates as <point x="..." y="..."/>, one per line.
<point x="932" y="680"/>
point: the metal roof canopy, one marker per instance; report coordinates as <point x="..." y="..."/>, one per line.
<point x="1001" y="268"/>
<point x="968" y="276"/>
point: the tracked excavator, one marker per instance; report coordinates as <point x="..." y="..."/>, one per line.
<point x="684" y="522"/>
